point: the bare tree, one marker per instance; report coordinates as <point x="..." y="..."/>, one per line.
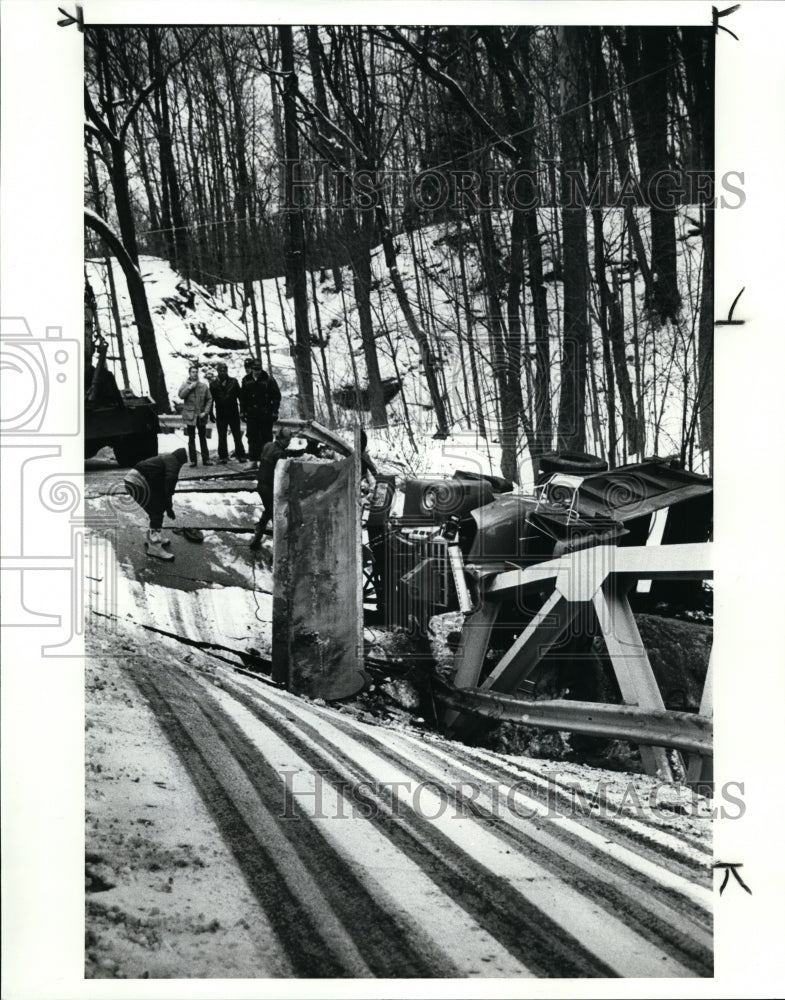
<point x="296" y="249"/>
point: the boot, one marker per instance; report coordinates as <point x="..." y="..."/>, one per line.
<point x="155" y="549"/>
<point x="256" y="542"/>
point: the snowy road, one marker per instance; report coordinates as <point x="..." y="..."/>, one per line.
<point x="389" y="852"/>
<point x="436" y="879"/>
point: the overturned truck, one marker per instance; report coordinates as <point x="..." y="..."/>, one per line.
<point x="544" y="586"/>
<point x="542" y="581"/>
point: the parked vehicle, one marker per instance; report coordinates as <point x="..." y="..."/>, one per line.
<point x="118" y="419"/>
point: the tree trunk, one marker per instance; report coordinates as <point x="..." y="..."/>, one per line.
<point x="705" y="382"/>
<point x="459" y="334"/>
<point x="470" y="338"/>
<point x="622" y="157"/>
<point x="169" y="174"/>
<point x="122" y="202"/>
<point x="328" y="398"/>
<point x="195" y="179"/>
<point x="360" y="251"/>
<point x="645" y="54"/>
<point x="604" y="296"/>
<point x="147" y="180"/>
<point x="572" y="400"/>
<point x="619" y="352"/>
<point x="118" y="326"/>
<point x="320" y="96"/>
<point x="144" y="323"/>
<point x="508" y="408"/>
<point x="426" y="355"/>
<point x="514" y="289"/>
<point x="101" y="211"/>
<point x="518" y="101"/>
<point x="296" y="249"/>
<point x="698" y="47"/>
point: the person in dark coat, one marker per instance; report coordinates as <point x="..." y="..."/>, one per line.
<point x="259" y="406"/>
<point x="151" y="483"/>
<point x="248" y="377"/>
<point x="272" y="452"/>
<point x="225" y="391"/>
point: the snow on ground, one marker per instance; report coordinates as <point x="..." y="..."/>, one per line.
<point x="214" y="591"/>
<point x="165" y="897"/>
<point x="237" y="616"/>
<point x="190" y="325"/>
<point x="193" y="324"/>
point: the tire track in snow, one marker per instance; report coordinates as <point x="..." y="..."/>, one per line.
<point x="442" y="928"/>
<point x="654" y="920"/>
<point x="689" y="864"/>
<point x="389" y="891"/>
<point x="290" y="903"/>
<point x="657" y="910"/>
<point x="630" y="842"/>
<point x="524" y="930"/>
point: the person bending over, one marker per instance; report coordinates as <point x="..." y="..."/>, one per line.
<point x="151" y="483"/>
<point x="272" y="453"/>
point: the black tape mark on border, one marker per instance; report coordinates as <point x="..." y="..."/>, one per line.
<point x="731" y="866"/>
<point x="730" y="321"/>
<point x="69" y="19"/>
<point x="717" y="14"/>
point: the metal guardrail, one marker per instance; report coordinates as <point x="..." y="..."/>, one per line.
<point x="678" y="730"/>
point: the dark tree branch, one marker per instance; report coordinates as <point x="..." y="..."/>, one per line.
<point x="423" y="61"/>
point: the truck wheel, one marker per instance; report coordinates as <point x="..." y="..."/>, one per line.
<point x="135" y="447"/>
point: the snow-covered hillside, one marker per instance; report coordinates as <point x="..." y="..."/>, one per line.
<point x="193" y="324"/>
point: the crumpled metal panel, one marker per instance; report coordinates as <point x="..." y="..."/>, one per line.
<point x="633" y="491"/>
<point x="317" y="598"/>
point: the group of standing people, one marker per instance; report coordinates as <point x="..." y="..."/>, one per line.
<point x="256" y="401"/>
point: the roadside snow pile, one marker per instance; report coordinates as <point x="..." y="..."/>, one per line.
<point x="228" y="616"/>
